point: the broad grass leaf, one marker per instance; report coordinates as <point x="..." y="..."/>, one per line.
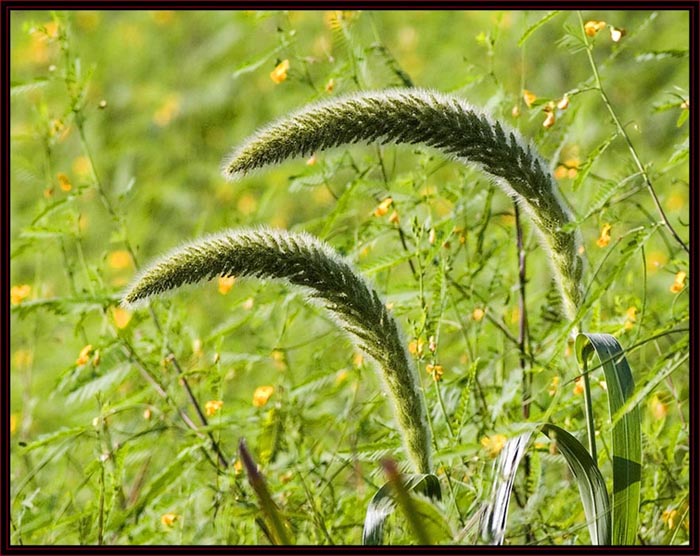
<point x="626" y="434"/>
<point x="383" y="504"/>
<point x="589" y="480"/>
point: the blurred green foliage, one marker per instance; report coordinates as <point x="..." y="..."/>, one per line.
<point x="120" y="121"/>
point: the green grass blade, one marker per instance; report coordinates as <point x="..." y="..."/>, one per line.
<point x="539" y="23"/>
<point x="589" y="480"/>
<point x="626" y="433"/>
<point x="493" y="527"/>
<point x="591" y="485"/>
<point x="384" y="502"/>
<point x="277" y="526"/>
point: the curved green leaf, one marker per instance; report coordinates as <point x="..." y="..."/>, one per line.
<point x="626" y="433"/>
<point x="589" y="480"/>
<point x="384" y="502"/>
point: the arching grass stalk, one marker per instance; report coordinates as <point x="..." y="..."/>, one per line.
<point x="447" y="123"/>
<point x="302" y="260"/>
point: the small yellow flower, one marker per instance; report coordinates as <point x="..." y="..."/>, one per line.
<point x="168" y="520"/>
<point x="554" y="386"/>
<point x="592" y="27"/>
<point x="670" y="518"/>
<point x="119" y="260"/>
<point x="19" y="293"/>
<point x="432" y="344"/>
<point x="678" y="282"/>
<point x="563" y="104"/>
<point x="262" y="395"/>
<point x="82" y="167"/>
<point x="23" y="358"/>
<point x="631" y="314"/>
<point x="494" y="444"/>
<point x="415" y="347"/>
<point x="238" y="467"/>
<point x="435" y="371"/>
<point x="478" y="314"/>
<point x="515" y="112"/>
<point x="13" y="423"/>
<point x="212" y="407"/>
<point x="121" y="317"/>
<point x="279" y="74"/>
<point x="225" y="284"/>
<point x="64" y="182"/>
<point x="578" y="386"/>
<point x="147" y="413"/>
<point x="168" y="110"/>
<point x="549" y="120"/>
<point x="604" y="238"/>
<point x="96" y="358"/>
<point x="529" y="97"/>
<point x="330" y="86"/>
<point x="394" y="217"/>
<point x="341" y="377"/>
<point x="658" y="408"/>
<point x="383" y="207"/>
<point x="84" y="355"/>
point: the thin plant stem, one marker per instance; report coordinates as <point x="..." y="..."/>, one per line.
<point x="626" y="137"/>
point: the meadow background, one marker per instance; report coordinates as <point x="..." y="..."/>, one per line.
<point x="119" y="124"/>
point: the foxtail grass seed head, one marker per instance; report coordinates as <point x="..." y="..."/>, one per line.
<point x="444" y="122"/>
<point x="330" y="280"/>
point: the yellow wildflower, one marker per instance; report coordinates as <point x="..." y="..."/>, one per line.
<point x="330" y="85"/>
<point x="563" y="104"/>
<point x="658" y="408"/>
<point x="678" y="282"/>
<point x="549" y="120"/>
<point x="225" y="284"/>
<point x="81" y="166"/>
<point x="13" y="423"/>
<point x="383" y="207"/>
<point x="494" y="444"/>
<point x="247" y="204"/>
<point x="631" y="318"/>
<point x="554" y="386"/>
<point x="415" y="347"/>
<point x="168" y="520"/>
<point x="19" y="293"/>
<point x="670" y="518"/>
<point x="279" y="74"/>
<point x="121" y="317"/>
<point x="435" y="371"/>
<point x="119" y="260"/>
<point x="578" y="386"/>
<point x="168" y="110"/>
<point x="394" y="217"/>
<point x="358" y="359"/>
<point x="529" y="97"/>
<point x="262" y="395"/>
<point x="238" y="467"/>
<point x="591" y="28"/>
<point x="212" y="407"/>
<point x="64" y="182"/>
<point x="478" y="314"/>
<point x="147" y="413"/>
<point x="84" y="355"/>
<point x="604" y="238"/>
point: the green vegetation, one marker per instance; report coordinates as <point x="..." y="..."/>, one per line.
<point x="130" y="425"/>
